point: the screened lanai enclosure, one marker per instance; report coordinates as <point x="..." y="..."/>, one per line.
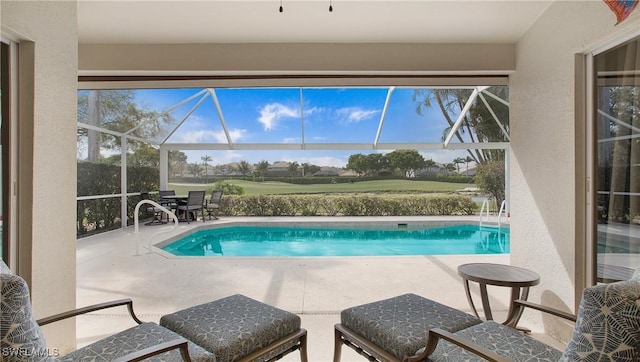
<point x="204" y="134"/>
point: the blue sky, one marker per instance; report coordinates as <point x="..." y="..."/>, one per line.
<point x="273" y="115"/>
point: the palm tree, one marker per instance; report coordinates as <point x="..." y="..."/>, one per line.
<point x="261" y="168"/>
<point x="457" y="162"/>
<point x="244" y="168"/>
<point x="466" y="161"/>
<point x="429" y="164"/>
<point x="194" y="169"/>
<point x="293" y="168"/>
<point x="205" y="159"/>
<point x="478" y="124"/>
<point x="450" y="167"/>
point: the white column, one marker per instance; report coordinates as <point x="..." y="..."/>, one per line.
<point x="123" y="182"/>
<point x="507" y="180"/>
<point x="164" y="168"/>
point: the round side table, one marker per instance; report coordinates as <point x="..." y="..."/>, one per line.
<point x="518" y="279"/>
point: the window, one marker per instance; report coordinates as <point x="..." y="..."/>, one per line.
<point x="615" y="244"/>
<point x="8" y="119"/>
<point x="203" y="133"/>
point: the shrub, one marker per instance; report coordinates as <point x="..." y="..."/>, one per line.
<point x="346" y="205"/>
<point x="98" y="215"/>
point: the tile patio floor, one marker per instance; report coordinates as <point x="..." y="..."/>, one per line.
<point x="316" y="288"/>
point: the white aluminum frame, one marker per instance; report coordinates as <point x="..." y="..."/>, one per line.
<point x="164" y="146"/>
<point x="590" y="93"/>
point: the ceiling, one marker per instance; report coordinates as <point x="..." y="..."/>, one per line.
<point x="305" y="21"/>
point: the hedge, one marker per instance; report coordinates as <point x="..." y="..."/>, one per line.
<point x="104" y="214"/>
<point x="99" y="215"/>
<point x="312" y="180"/>
<point x="346" y="205"/>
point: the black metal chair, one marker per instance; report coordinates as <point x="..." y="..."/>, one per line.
<point x="195" y="202"/>
<point x="157" y="212"/>
<point x="213" y="203"/>
<point x="166" y="200"/>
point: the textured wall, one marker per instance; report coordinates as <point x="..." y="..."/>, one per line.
<point x="51" y="26"/>
<point x="542" y="92"/>
<point x="296" y="57"/>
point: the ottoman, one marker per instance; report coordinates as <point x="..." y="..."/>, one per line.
<point x="238" y="328"/>
<point x="396" y="328"/>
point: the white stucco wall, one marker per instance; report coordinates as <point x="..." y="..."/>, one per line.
<point x="542" y="153"/>
<point x="542" y="121"/>
<point x="52" y="26"/>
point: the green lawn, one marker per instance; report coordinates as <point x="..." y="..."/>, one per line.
<point x="378" y="186"/>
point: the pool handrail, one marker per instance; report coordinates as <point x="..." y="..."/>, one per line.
<point x="501" y="213"/>
<point x="136" y="223"/>
<point x="503" y="208"/>
<point x="484" y="203"/>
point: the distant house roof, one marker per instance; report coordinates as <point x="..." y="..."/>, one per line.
<point x="328" y="171"/>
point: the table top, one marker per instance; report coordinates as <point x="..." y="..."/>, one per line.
<point x="499" y="274"/>
<point x="174" y="197"/>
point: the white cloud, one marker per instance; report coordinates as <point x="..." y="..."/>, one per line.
<point x="444" y="156"/>
<point x="219" y="157"/>
<point x="356" y="114"/>
<point x="271" y="113"/>
<point x="207" y="136"/>
<point x="322" y="161"/>
<point x="291" y="140"/>
<point x="312" y="110"/>
<point x="235" y="134"/>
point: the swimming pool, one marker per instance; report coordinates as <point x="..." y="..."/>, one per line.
<point x="315" y="241"/>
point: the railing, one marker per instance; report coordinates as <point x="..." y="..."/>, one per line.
<point x="136" y="223"/>
<point x="502" y="238"/>
<point x="501" y="213"/>
<point x="503" y="209"/>
<point x="485" y="203"/>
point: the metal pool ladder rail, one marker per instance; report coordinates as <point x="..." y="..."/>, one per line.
<point x="136" y="223"/>
<point x="503" y="208"/>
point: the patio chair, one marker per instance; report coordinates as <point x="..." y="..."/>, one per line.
<point x="235" y="328"/>
<point x="166" y="200"/>
<point x="410" y="328"/>
<point x="23" y="340"/>
<point x="213" y="203"/>
<point x="195" y="202"/>
<point x="157" y="212"/>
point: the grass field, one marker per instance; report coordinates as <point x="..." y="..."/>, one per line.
<point x="378" y="186"/>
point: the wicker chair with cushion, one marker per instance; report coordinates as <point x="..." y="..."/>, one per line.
<point x="235" y="328"/>
<point x="607" y="329"/>
<point x="22" y="339"/>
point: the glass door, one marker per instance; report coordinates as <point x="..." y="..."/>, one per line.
<point x="616" y="249"/>
<point x="4" y="122"/>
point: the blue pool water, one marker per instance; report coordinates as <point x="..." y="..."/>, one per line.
<point x="289" y="241"/>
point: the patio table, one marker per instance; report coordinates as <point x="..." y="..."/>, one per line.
<point x="177" y="199"/>
<point x="518" y="279"/>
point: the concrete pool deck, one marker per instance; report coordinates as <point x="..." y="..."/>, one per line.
<point x="316" y="288"/>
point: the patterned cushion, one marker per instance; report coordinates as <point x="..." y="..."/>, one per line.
<point x="510" y="343"/>
<point x="232" y="327"/>
<point x="4" y="269"/>
<point x="135" y="339"/>
<point x="608" y="325"/>
<point x="400" y="325"/>
<point x="20" y="336"/>
<point x="449" y="352"/>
